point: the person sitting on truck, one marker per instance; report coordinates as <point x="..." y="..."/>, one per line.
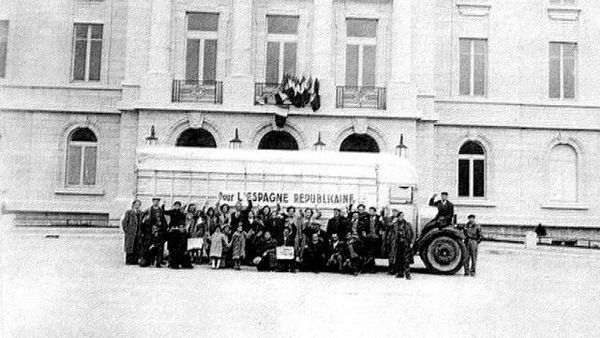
<point x="445" y="209"/>
<point x="445" y="213"/>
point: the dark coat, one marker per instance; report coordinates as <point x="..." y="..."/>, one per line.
<point x="241" y="217"/>
<point x="400" y="233"/>
<point x="337" y="225"/>
<point x="445" y="210"/>
<point x="131" y="224"/>
<point x="156" y="220"/>
<point x="266" y="250"/>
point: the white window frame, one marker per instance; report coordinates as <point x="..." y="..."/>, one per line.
<point x="84" y="145"/>
<point x="472" y="67"/>
<point x="362" y="42"/>
<point x="202" y="36"/>
<point x="561" y="71"/>
<point x="281" y="39"/>
<point x="471" y="158"/>
<point x="577" y="174"/>
<point x="88" y="45"/>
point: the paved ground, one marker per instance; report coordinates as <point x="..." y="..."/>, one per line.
<point x="76" y="285"/>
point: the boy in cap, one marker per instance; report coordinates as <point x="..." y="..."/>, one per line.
<point x="473" y="237"/>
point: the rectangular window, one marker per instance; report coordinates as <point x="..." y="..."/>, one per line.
<point x="74" y="165"/>
<point x="463" y="178"/>
<point x="561" y="76"/>
<point x="3" y="46"/>
<point x="201" y="46"/>
<point x="472" y="63"/>
<point x="87" y="53"/>
<point x="478" y="178"/>
<point x="361" y="55"/>
<point x="282" y="47"/>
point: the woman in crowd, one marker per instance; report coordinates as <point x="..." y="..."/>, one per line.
<point x="195" y="227"/>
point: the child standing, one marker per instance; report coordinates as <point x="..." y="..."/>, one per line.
<point x="218" y="242"/>
<point x="238" y="246"/>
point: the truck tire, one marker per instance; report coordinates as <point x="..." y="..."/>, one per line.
<point x="443" y="253"/>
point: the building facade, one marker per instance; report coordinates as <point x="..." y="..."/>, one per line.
<point x="496" y="101"/>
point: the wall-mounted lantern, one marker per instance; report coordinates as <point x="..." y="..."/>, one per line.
<point x="319" y="145"/>
<point x="152" y="139"/>
<point x="235" y="142"/>
<point x="401" y="148"/>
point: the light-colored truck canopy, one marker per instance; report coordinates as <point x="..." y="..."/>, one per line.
<point x="200" y="173"/>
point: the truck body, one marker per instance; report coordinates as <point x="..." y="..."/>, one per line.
<point x="268" y="177"/>
<point x="326" y="180"/>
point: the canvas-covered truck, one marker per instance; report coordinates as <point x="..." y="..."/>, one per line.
<point x="298" y="178"/>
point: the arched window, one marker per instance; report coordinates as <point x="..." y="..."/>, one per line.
<point x="196" y="137"/>
<point x="279" y="140"/>
<point x="82" y="151"/>
<point x="471" y="170"/>
<point x="563" y="173"/>
<point x="360" y="143"/>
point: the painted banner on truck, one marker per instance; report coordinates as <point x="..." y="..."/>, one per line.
<point x="292" y="198"/>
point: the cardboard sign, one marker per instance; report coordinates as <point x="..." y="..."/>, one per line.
<point x="195" y="243"/>
<point x="285" y="252"/>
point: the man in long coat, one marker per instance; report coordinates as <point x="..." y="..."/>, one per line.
<point x="400" y="237"/>
<point x="176" y="236"/>
<point x="131" y="227"/>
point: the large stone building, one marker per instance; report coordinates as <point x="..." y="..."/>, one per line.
<point x="497" y="101"/>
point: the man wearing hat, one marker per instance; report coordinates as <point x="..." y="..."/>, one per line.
<point x="473" y="237"/>
<point x="445" y="209"/>
<point x="155" y="219"/>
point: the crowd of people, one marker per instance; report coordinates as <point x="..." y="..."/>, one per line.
<point x="287" y="240"/>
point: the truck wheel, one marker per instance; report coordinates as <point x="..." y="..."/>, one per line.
<point x="444" y="254"/>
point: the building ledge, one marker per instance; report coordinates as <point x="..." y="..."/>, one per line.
<point x="475" y="203"/>
<point x="564" y="206"/>
<point x="473" y="7"/>
<point x="564" y="13"/>
<point x="80" y="191"/>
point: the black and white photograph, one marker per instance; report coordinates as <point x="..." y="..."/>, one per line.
<point x="299" y="168"/>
